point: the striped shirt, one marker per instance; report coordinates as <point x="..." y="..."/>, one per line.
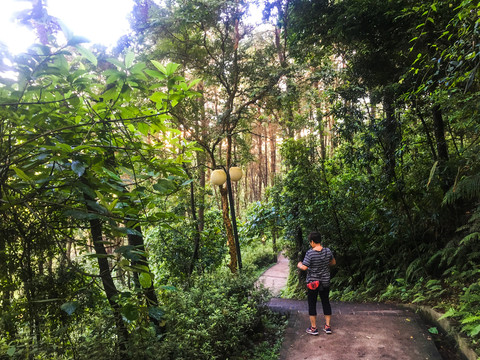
<point x="318" y="265"/>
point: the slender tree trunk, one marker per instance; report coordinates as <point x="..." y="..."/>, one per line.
<point x="137" y="241"/>
<point x="273" y="154"/>
<point x="390" y="137"/>
<point x="274" y="244"/>
<point x="442" y="148"/>
<point x="439" y="128"/>
<point x="265" y="178"/>
<point x="105" y="273"/>
<point x="196" y="239"/>
<point x="427" y="134"/>
<point x="260" y="163"/>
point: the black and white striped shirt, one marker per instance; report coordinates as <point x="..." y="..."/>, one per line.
<point x="318" y="265"/>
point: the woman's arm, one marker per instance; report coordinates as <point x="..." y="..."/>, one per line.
<point x="301" y="266"/>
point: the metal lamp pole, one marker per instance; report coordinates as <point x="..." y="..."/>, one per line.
<point x="234" y="218"/>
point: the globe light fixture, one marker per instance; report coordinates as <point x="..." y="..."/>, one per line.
<point x="235" y="173"/>
<point x="218" y="177"/>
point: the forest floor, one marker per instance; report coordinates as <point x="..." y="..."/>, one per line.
<point x="367" y="331"/>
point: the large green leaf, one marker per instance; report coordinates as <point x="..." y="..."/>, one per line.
<point x="87" y="54"/>
<point x="78" y="168"/>
<point x="156" y="313"/>
<point x="145" y="280"/>
<point x="130" y="312"/>
<point x="70" y="307"/>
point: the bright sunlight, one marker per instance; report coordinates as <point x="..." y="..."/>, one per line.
<point x="102" y="22"/>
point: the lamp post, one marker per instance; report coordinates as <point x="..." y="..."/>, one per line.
<point x="219" y="177"/>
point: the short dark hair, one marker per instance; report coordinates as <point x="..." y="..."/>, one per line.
<point x="315" y="236"/>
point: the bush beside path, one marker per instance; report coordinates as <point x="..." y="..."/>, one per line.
<point x="367" y="331"/>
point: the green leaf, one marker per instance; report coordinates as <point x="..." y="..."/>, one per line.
<point x="87" y="54"/>
<point x="451" y="312"/>
<point x="159" y="66"/>
<point x="156" y="313"/>
<point x="475" y="331"/>
<point x="130" y="312"/>
<point x="165" y="186"/>
<point x="193" y="83"/>
<point x="116" y="62"/>
<point x="145" y="280"/>
<point x="111" y="174"/>
<point x="21" y="174"/>
<point x="81" y="215"/>
<point x="157" y="75"/>
<point x="129" y="59"/>
<point x="168" y="288"/>
<point x="70" y="307"/>
<point x="11" y="351"/>
<point x="171" y="68"/>
<point x="143" y="128"/>
<point x="78" y="168"/>
<point x="432" y="172"/>
<point x="433" y="330"/>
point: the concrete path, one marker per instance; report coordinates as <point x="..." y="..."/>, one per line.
<point x="275" y="278"/>
<point x="366" y="331"/>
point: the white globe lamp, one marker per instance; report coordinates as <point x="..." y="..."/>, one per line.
<point x="218" y="177"/>
<point x="235" y="173"/>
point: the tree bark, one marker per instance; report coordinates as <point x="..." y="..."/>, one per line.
<point x="390" y="137"/>
<point x="439" y="129"/>
<point x="273" y="154"/>
<point x="229" y="229"/>
<point x="105" y="273"/>
<point x="137" y="241"/>
<point x="442" y="148"/>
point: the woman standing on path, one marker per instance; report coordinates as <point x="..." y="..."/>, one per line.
<point x="317" y="262"/>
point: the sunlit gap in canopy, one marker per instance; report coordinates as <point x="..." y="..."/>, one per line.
<point x="101" y="22"/>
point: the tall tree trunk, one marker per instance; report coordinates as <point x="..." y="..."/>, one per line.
<point x="274" y="243"/>
<point x="427" y="134"/>
<point x="137" y="241"/>
<point x="196" y="238"/>
<point x="442" y="148"/>
<point x="265" y="178"/>
<point x="105" y="273"/>
<point x="390" y="137"/>
<point x="260" y="163"/>
<point x="273" y="154"/>
<point x="439" y="128"/>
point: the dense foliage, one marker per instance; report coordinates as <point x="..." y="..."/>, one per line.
<point x="114" y="245"/>
<point x="396" y="191"/>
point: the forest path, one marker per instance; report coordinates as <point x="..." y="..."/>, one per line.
<point x="367" y="331"/>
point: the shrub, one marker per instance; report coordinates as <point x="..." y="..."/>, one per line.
<point x="219" y="316"/>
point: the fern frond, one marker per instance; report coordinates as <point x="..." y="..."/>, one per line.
<point x="467" y="188"/>
<point x="470" y="239"/>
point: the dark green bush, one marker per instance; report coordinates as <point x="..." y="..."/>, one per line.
<point x="218" y="317"/>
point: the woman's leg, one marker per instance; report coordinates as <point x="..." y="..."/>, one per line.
<point x="312" y="306"/>
<point x="327" y="309"/>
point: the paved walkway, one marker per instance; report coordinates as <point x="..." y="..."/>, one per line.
<point x="367" y="331"/>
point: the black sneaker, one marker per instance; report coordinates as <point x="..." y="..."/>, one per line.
<point x="327" y="329"/>
<point x="312" y="331"/>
